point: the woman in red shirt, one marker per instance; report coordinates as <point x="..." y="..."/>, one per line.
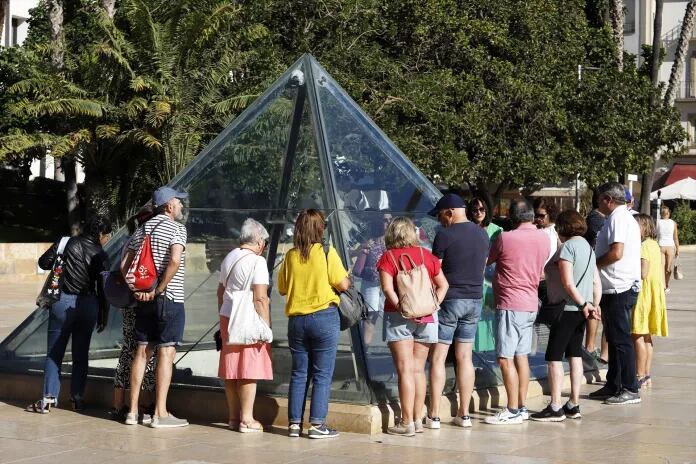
<point x="409" y="339"/>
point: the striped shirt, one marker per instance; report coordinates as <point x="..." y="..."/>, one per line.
<point x="167" y="232"/>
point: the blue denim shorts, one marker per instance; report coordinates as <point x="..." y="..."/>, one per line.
<point x="458" y="319"/>
<point x="513" y="336"/>
<point x="159" y="322"/>
<point x="397" y="328"/>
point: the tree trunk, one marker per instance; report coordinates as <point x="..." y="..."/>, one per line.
<point x="647" y="180"/>
<point x="677" y="72"/>
<point x="55" y="15"/>
<point x="110" y="7"/>
<point x="616" y="15"/>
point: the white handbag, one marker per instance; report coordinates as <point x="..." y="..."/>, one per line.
<point x="245" y="326"/>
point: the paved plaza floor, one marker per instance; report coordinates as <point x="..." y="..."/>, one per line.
<point x="660" y="430"/>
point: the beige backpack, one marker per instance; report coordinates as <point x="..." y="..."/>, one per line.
<point x="416" y="293"/>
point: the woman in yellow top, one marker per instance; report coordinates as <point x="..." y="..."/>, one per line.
<point x="309" y="279"/>
<point x="650" y="313"/>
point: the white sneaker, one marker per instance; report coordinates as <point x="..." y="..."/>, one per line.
<point x="464" y="421"/>
<point x="524" y="412"/>
<point x="432" y="422"/>
<point x="504" y="417"/>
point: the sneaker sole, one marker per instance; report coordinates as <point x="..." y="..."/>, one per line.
<point x="549" y="419"/>
<point x="635" y="401"/>
<point x="131" y="422"/>
<point x="432" y="426"/>
<point x="464" y="426"/>
<point x="167" y="426"/>
<point x="322" y="437"/>
<point x="506" y="423"/>
<point x="401" y="434"/>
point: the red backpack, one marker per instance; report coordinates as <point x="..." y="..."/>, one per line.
<point x="142" y="274"/>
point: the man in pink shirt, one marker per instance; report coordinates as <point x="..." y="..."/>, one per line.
<point x="519" y="256"/>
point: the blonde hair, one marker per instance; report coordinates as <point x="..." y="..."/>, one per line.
<point x="401" y="233"/>
<point x="647" y="227"/>
<point x="309" y="229"/>
<point x="665" y="212"/>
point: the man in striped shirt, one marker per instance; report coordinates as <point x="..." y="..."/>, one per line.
<point x="160" y="315"/>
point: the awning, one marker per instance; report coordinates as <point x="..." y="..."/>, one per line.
<point x="684" y="189"/>
<point x="678" y="172"/>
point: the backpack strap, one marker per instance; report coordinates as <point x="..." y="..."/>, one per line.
<point x="62" y="244"/>
<point x="393" y="260"/>
<point x="408" y="258"/>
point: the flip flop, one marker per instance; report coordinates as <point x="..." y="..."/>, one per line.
<point x="253" y="427"/>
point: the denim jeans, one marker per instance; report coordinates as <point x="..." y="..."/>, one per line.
<point x="313" y="341"/>
<point x="75" y="316"/>
<point x="616" y="317"/>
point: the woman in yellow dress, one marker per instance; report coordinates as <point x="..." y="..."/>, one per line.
<point x="650" y="313"/>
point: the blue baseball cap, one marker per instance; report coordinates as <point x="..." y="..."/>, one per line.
<point x="451" y="200"/>
<point x="629" y="197"/>
<point x="163" y="194"/>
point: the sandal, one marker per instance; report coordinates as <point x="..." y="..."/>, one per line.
<point x="253" y="427"/>
<point x="39" y="407"/>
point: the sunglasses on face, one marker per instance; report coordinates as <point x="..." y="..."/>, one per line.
<point x="478" y="210"/>
<point x="540" y="216"/>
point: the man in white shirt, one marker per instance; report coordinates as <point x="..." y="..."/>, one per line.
<point x="618" y="258"/>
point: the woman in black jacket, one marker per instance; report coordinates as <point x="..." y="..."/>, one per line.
<point x="81" y="307"/>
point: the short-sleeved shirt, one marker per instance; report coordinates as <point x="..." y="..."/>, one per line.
<point x="463" y="249"/>
<point x="239" y="266"/>
<point x="520" y="256"/>
<point x="386" y="264"/>
<point x="167" y="232"/>
<point x="620" y="227"/>
<point x="580" y="254"/>
<point x="309" y="286"/>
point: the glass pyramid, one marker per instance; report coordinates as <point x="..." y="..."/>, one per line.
<point x="303" y="143"/>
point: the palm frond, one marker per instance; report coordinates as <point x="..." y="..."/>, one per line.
<point x="235" y="104"/>
<point x="68" y="107"/>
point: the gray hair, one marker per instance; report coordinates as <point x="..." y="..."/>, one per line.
<point x="521" y="211"/>
<point x="252" y="232"/>
<point x="613" y="190"/>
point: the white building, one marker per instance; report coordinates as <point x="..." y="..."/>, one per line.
<point x="638" y="31"/>
<point x="16" y="23"/>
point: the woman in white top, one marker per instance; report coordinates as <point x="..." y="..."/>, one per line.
<point x="545" y="212"/>
<point x="668" y="239"/>
<point x="241" y="366"/>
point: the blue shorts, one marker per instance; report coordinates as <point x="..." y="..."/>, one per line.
<point x="159" y="322"/>
<point x="397" y="328"/>
<point x="513" y="336"/>
<point x="458" y="319"/>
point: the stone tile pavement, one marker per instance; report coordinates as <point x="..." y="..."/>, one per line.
<point x="660" y="430"/>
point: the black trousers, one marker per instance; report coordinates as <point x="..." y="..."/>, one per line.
<point x="617" y="310"/>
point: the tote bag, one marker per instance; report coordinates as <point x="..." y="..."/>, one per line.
<point x="245" y="326"/>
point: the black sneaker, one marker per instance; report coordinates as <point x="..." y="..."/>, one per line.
<point x="294" y="430"/>
<point x="572" y="413"/>
<point x="624" y="397"/>
<point x="548" y="415"/>
<point x="322" y="431"/>
<point x="602" y="393"/>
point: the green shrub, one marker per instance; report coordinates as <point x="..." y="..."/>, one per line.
<point x="685" y="218"/>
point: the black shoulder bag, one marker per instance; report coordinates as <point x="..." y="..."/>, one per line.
<point x="352" y="307"/>
<point x="550" y="313"/>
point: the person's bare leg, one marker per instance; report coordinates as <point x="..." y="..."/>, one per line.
<point x="511" y="381"/>
<point x="420" y="356"/>
<point x="402" y="352"/>
<point x="641" y="355"/>
<point x="591" y="327"/>
<point x="576" y="375"/>
<point x="522" y="365"/>
<point x="604" y="347"/>
<point x="437" y="377"/>
<point x="649" y="355"/>
<point x="465" y="376"/>
<point x="140" y="357"/>
<point x="247" y="395"/>
<point x="233" y="404"/>
<point x="163" y="378"/>
<point x="556" y="375"/>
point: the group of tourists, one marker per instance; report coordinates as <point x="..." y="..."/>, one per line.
<point x="582" y="271"/>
